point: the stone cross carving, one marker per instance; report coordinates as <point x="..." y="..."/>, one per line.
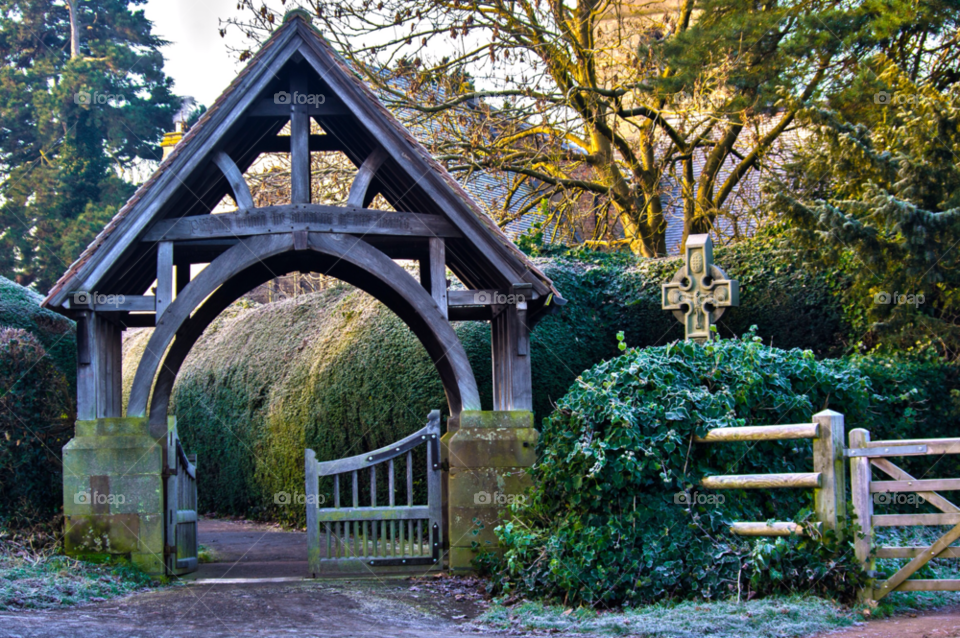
<point x="700" y="292"/>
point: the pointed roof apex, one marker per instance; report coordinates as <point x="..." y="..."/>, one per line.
<point x="299" y="11"/>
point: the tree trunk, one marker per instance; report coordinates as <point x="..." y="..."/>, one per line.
<point x="74" y="30"/>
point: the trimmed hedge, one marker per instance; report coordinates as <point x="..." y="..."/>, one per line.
<point x="37" y="405"/>
<point x="20" y="308"/>
<point x="36" y="419"/>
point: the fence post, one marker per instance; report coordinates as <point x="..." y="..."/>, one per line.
<point x="862" y="505"/>
<point x="830" y="500"/>
<point x="312" y="494"/>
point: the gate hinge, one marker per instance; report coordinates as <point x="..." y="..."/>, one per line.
<point x="169" y="550"/>
<point x="167" y="473"/>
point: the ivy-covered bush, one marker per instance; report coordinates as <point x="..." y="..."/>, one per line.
<point x="615" y="517"/>
<point x="36" y="420"/>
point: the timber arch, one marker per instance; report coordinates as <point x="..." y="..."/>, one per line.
<point x="256" y="260"/>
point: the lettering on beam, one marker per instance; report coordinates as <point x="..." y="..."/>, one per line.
<point x="328" y="219"/>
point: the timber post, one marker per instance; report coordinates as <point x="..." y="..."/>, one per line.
<point x="830" y="499"/>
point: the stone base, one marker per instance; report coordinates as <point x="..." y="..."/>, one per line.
<point x="488" y="456"/>
<point x="113" y="493"/>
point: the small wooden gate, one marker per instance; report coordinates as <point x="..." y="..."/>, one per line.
<point x="865" y="455"/>
<point x="180" y="529"/>
<point x="376" y="538"/>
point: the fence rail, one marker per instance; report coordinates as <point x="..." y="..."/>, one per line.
<point x="827" y="480"/>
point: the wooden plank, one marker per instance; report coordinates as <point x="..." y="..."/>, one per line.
<point x="779" y="528"/>
<point x="313" y="218"/>
<point x="164" y="294"/>
<point x="934" y="446"/>
<point x="762" y="433"/>
<point x="933" y="498"/>
<point x="762" y="481"/>
<point x="902" y="520"/>
<point x="270" y="107"/>
<point x="380" y="513"/>
<point x="932" y="485"/>
<point x="862" y="506"/>
<point x="468" y="298"/>
<point x="241" y="191"/>
<point x="360" y="461"/>
<point x="281" y="144"/>
<point x="889" y="450"/>
<point x="830" y="499"/>
<point x="299" y="143"/>
<point x="929" y="585"/>
<point x="438" y="274"/>
<point x="120" y="303"/>
<point x="361" y="183"/>
<point x="312" y="488"/>
<point x="434" y="483"/>
<point x="910" y="568"/>
<point x="913" y="552"/>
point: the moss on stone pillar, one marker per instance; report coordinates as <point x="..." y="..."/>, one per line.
<point x="113" y="493"/>
<point x="487" y="456"/>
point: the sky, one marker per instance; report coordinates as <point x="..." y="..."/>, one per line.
<point x="196" y="58"/>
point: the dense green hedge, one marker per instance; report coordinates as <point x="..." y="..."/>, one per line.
<point x="602" y="525"/>
<point x="36" y="420"/>
<point x="20" y="308"/>
<point x="37" y="405"/>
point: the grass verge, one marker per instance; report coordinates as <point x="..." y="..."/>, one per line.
<point x="33" y="575"/>
<point x="783" y="617"/>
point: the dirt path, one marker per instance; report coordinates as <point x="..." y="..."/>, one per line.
<point x="258" y="556"/>
<point x="942" y="623"/>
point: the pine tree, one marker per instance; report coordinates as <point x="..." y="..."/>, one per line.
<point x="79" y="109"/>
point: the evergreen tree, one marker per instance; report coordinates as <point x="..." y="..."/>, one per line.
<point x="875" y="193"/>
<point x="84" y="99"/>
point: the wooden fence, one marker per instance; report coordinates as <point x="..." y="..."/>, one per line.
<point x="827" y="479"/>
<point x="865" y="455"/>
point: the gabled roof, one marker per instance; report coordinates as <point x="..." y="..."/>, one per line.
<point x="187" y="183"/>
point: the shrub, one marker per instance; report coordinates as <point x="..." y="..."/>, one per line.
<point x="20" y="308"/>
<point x="36" y="419"/>
<point x="601" y="526"/>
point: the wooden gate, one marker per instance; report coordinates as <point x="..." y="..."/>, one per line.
<point x="180" y="487"/>
<point x="865" y="455"/>
<point x="375" y="538"/>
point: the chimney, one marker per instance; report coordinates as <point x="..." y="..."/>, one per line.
<point x="170" y="140"/>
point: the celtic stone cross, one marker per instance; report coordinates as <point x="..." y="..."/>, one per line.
<point x="700" y="292"/>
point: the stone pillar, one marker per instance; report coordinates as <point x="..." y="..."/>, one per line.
<point x="113" y="492"/>
<point x="487" y="456"/>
